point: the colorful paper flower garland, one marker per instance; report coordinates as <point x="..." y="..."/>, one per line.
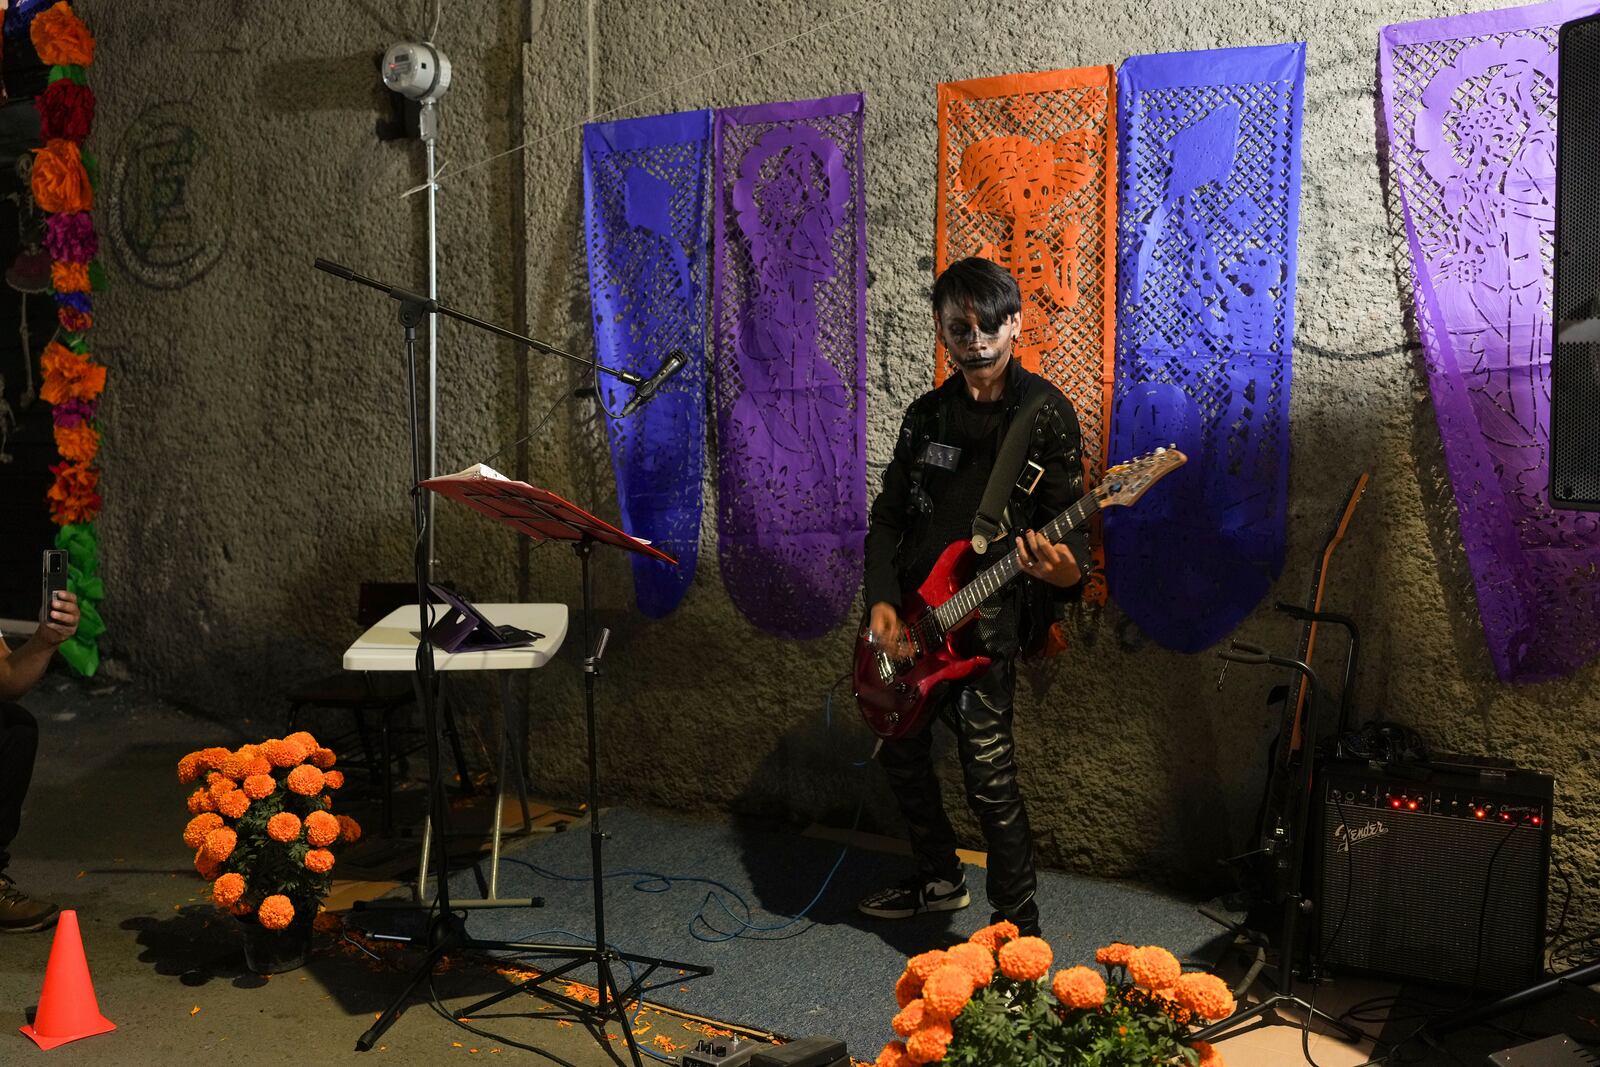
<point x="63" y="187"/>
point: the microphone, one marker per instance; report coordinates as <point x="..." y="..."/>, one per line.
<point x="647" y="388"/>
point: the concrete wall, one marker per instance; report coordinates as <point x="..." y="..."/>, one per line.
<point x="256" y="450"/>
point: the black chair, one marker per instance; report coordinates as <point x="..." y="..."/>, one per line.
<point x="365" y="693"/>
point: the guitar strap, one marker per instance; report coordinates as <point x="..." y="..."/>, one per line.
<point x="1014" y="474"/>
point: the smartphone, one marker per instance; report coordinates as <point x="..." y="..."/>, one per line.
<point x="55" y="578"/>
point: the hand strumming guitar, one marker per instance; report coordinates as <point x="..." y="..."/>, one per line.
<point x="887" y="631"/>
<point x="1046" y="562"/>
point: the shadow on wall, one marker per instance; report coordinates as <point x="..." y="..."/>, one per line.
<point x="324" y="83"/>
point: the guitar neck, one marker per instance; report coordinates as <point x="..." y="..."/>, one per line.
<point x="991" y="581"/>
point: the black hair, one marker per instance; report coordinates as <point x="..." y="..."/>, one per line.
<point x="988" y="287"/>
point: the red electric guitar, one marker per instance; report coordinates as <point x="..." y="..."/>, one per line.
<point x="894" y="693"/>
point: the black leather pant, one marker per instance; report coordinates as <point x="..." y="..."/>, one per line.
<point x="980" y="716"/>
<point x="19" y="740"/>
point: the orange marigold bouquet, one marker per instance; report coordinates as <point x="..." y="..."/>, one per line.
<point x="992" y="1002"/>
<point x="261" y="826"/>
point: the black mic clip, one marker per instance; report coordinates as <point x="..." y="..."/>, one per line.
<point x="647" y="389"/>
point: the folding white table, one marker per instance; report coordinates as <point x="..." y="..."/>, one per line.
<point x="391" y="645"/>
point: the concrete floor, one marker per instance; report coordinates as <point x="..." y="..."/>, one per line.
<point x="101" y="835"/>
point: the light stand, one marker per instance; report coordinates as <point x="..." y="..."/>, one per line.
<point x="1289" y="857"/>
<point x="447" y="929"/>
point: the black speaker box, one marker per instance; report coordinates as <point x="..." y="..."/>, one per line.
<point x="1436" y="871"/>
<point x="1575" y="358"/>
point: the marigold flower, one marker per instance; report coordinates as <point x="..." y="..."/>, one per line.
<point x="1204" y="994"/>
<point x="227" y="889"/>
<point x="349" y="829"/>
<point x="208" y="868"/>
<point x="333" y="779"/>
<point x="928" y="1044"/>
<point x="1153" y="967"/>
<point x="211" y="758"/>
<point x="305" y="780"/>
<point x="234" y="766"/>
<point x="70" y="375"/>
<point x="219" y="844"/>
<point x="893" y="1055"/>
<point x="73" y="496"/>
<point x="69" y="277"/>
<point x="276" y="912"/>
<point x="305" y="740"/>
<point x="322" y="758"/>
<point x="194" y="835"/>
<point x="908" y="1018"/>
<point x="200" y="801"/>
<point x="319" y="860"/>
<point x="994" y="935"/>
<point x="221" y="787"/>
<point x="978" y="961"/>
<point x="924" y="964"/>
<point x="257" y="786"/>
<point x="322" y="829"/>
<point x="907" y="989"/>
<point x="77" y="444"/>
<point x="1026" y="959"/>
<point x="284" y="826"/>
<point x="1079" y="987"/>
<point x="1114" y="955"/>
<point x="72" y="320"/>
<point x="284" y="753"/>
<point x="60" y="37"/>
<point x="234" y="804"/>
<point x="189" y="768"/>
<point x="258" y="764"/>
<point x="946" y="992"/>
<point x="60" y="182"/>
<point x="1209" y="1056"/>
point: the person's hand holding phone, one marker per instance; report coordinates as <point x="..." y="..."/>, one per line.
<point x="58" y="615"/>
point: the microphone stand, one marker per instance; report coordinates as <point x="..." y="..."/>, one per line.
<point x="447" y="932"/>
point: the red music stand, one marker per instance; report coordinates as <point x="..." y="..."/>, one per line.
<point x="541" y="514"/>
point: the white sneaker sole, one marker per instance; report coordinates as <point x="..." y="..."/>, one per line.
<point x="950" y="904"/>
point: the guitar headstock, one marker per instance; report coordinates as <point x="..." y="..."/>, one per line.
<point x="1126" y="482"/>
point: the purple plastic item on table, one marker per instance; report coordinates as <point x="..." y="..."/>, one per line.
<point x="789" y="322"/>
<point x="1470" y="109"/>
<point x="644" y="199"/>
<point x="1209" y="193"/>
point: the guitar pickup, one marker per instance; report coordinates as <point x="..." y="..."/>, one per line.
<point x="1028" y="481"/>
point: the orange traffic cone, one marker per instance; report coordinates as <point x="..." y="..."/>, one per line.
<point x="67" y="1008"/>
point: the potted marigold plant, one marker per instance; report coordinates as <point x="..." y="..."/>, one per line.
<point x="987" y="1003"/>
<point x="263" y="833"/>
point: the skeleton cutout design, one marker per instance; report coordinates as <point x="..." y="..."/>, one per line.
<point x="644" y="191"/>
<point x="1470" y="106"/>
<point x="789" y="316"/>
<point x="1022" y="183"/>
<point x="1209" y="207"/>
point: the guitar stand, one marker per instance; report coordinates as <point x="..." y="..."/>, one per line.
<point x="1289" y="850"/>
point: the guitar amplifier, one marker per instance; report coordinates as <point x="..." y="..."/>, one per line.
<point x="1431" y="871"/>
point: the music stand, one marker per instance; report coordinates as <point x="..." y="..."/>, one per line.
<point x="541" y="514"/>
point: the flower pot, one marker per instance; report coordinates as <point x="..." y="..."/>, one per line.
<point x="275" y="951"/>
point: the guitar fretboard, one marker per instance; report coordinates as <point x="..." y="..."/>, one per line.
<point x="964" y="603"/>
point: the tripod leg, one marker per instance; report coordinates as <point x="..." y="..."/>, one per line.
<point x="608" y="980"/>
<point x="365" y="1042"/>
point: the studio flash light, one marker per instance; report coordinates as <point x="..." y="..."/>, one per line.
<point x="416" y="70"/>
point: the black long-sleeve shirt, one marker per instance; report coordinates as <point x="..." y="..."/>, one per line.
<point x="903" y="542"/>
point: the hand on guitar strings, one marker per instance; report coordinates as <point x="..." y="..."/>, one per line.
<point x="1046" y="562"/>
<point x="885" y="630"/>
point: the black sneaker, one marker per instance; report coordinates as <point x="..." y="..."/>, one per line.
<point x="20" y="913"/>
<point x="915" y="896"/>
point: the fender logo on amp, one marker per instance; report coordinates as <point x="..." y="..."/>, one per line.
<point x="1347" y="837"/>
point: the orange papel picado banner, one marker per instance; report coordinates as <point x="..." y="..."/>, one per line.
<point x="1027" y="178"/>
